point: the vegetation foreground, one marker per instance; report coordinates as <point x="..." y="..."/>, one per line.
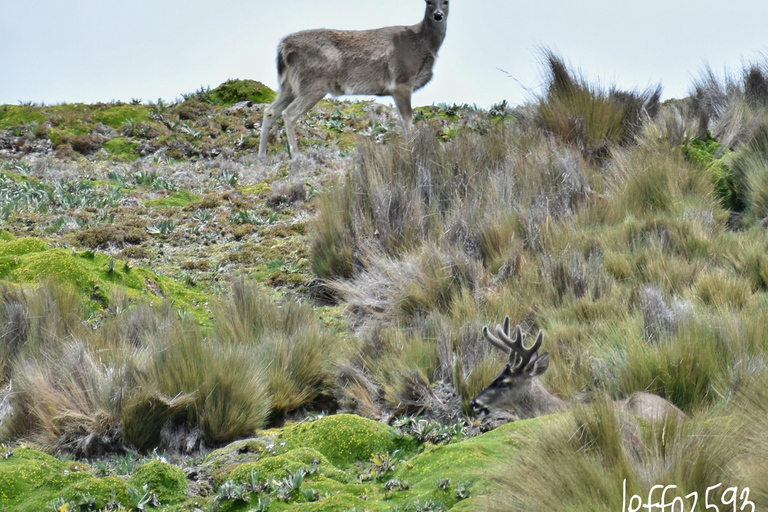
<point x="178" y="317"/>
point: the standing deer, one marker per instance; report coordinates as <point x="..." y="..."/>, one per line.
<point x="390" y="61"/>
<point x="518" y="388"/>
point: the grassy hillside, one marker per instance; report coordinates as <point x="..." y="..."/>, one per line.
<point x="165" y="291"/>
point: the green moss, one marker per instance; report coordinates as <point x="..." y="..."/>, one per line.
<point x="5" y="236"/>
<point x="344" y="438"/>
<point x="30" y="480"/>
<point x="276" y="466"/>
<point x="115" y="115"/>
<point x="102" y="490"/>
<point x="121" y="149"/>
<point x="167" y="481"/>
<point x="235" y="91"/>
<point x="11" y="115"/>
<point x="27" y="260"/>
<point x="224" y="460"/>
<point x="257" y="189"/>
<point x="465" y="463"/>
<point x="23" y="474"/>
<point x="20" y="246"/>
<point x="177" y="199"/>
<point x="326" y="480"/>
<point x="340" y="502"/>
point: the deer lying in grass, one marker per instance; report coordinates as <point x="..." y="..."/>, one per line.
<point x="390" y="61"/>
<point x="518" y="388"/>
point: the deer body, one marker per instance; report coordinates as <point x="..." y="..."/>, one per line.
<point x="518" y="388"/>
<point x="390" y="61"/>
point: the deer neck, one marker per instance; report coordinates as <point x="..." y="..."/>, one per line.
<point x="432" y="33"/>
<point x="538" y="402"/>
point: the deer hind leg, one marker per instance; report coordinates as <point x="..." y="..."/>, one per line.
<point x="272" y="113"/>
<point x="402" y="97"/>
<point x="300" y="106"/>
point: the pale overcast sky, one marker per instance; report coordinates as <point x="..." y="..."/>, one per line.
<point x="98" y="50"/>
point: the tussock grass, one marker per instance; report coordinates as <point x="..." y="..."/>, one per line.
<point x="64" y="400"/>
<point x="300" y="356"/>
<point x="581" y="461"/>
<point x="33" y="320"/>
<point x="146" y="371"/>
<point x="750" y="168"/>
<point x="616" y="245"/>
<point x="229" y="384"/>
<point x="733" y="106"/>
<point x="587" y="116"/>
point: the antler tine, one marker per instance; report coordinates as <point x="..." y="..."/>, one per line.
<point x="495" y="341"/>
<point x="517" y="344"/>
<point x="537" y="344"/>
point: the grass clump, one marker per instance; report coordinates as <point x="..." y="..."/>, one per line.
<point x="148" y="376"/>
<point x="589" y="117"/>
<point x="228" y="391"/>
<point x="301" y="353"/>
<point x="582" y="460"/>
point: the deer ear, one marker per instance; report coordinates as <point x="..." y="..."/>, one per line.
<point x="538" y="366"/>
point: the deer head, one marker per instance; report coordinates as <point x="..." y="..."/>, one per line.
<point x="517" y="388"/>
<point x="437" y="10"/>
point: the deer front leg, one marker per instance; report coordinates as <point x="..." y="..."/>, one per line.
<point x="271" y="114"/>
<point x="402" y="97"/>
<point x="300" y="106"/>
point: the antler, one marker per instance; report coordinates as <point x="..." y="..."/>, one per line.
<point x="518" y="354"/>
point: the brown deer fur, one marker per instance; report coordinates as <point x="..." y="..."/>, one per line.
<point x="390" y="61"/>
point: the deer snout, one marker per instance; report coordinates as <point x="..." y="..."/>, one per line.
<point x="438" y="16"/>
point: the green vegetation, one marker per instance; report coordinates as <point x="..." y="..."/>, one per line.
<point x="168" y="482"/>
<point x="290" y="475"/>
<point x="165" y="291"/>
<point x="122" y="150"/>
<point x="235" y="91"/>
<point x="345" y="439"/>
<point x="95" y="275"/>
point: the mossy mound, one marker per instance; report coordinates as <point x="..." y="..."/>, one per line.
<point x="235" y="91"/>
<point x="339" y="502"/>
<point x="10" y="246"/>
<point x="276" y="467"/>
<point x="464" y="464"/>
<point x="30" y="481"/>
<point x="121" y="150"/>
<point x="345" y="438"/>
<point x="167" y="481"/>
<point x="95" y="275"/>
<point x="100" y="492"/>
<point x="220" y="463"/>
<point x="177" y="199"/>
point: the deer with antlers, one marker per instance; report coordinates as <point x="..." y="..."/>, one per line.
<point x="518" y="388"/>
